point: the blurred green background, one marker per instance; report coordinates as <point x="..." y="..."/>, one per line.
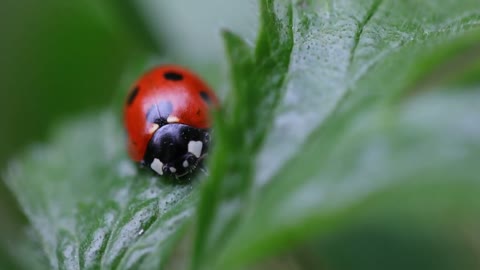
<point x="58" y="59"/>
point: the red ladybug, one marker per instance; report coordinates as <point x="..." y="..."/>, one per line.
<point x="167" y="120"/>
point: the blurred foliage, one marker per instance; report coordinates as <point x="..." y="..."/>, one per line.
<point x="59" y="58"/>
<point x="349" y="136"/>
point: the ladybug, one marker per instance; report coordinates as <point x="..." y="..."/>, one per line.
<point x="167" y="120"/>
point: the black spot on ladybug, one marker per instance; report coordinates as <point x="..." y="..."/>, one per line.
<point x="158" y="113"/>
<point x="133" y="94"/>
<point x="205" y="97"/>
<point x="173" y="76"/>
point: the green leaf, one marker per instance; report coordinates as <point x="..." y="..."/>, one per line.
<point x="403" y="155"/>
<point x="89" y="206"/>
<point x="243" y="120"/>
<point x="351" y="129"/>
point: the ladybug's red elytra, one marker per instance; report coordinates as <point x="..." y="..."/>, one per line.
<point x="167" y="120"/>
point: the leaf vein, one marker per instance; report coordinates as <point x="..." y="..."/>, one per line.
<point x="361" y="27"/>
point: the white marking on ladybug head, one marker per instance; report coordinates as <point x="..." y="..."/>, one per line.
<point x="185" y="164"/>
<point x="173" y="119"/>
<point x="157" y="166"/>
<point x="153" y="128"/>
<point x="173" y="170"/>
<point x="195" y="147"/>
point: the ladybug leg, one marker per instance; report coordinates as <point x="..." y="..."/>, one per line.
<point x="203" y="169"/>
<point x="189" y="161"/>
<point x="201" y="166"/>
<point x="185" y="165"/>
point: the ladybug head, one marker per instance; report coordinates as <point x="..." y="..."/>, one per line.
<point x="176" y="149"/>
